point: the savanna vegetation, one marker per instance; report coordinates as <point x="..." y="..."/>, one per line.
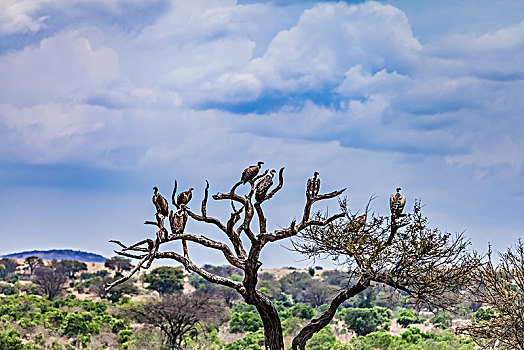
<point x="169" y="308"/>
<point x="404" y="284"/>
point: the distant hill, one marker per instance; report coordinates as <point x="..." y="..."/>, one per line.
<point x="59" y="254"/>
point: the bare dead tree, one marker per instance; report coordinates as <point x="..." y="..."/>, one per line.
<point x="176" y="315"/>
<point x="50" y="281"/>
<point x="501" y="287"/>
<point x="243" y="256"/>
<point x="430" y="266"/>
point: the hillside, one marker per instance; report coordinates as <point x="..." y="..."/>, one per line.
<point x="59" y="254"/>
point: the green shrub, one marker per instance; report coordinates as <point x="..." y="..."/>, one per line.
<point x="252" y="341"/>
<point x="407" y="317"/>
<point x="442" y="319"/>
<point x="244" y="319"/>
<point x="165" y="279"/>
<point x="483" y="315"/>
<point x="322" y="340"/>
<point x="124" y="336"/>
<point x="366" y="320"/>
<point x="10" y="339"/>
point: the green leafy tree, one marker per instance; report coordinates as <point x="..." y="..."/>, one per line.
<point x="69" y="267"/>
<point x="407" y="317"/>
<point x="165" y="280"/>
<point x="365" y="320"/>
<point x="297" y="284"/>
<point x="323" y="340"/>
<point x="7" y="266"/>
<point x="311" y="271"/>
<point x="251" y="341"/>
<point x="484" y="315"/>
<point x="78" y="324"/>
<point x="115" y="294"/>
<point x="442" y="319"/>
<point x="33" y="262"/>
<point x="244" y="318"/>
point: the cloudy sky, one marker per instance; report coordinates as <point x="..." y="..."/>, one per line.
<point x="102" y="100"/>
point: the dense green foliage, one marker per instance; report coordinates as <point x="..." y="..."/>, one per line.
<point x="412" y="339"/>
<point x="442" y="319"/>
<point x="165" y="280"/>
<point x="244" y="318"/>
<point x="34" y="322"/>
<point x="406" y="317"/>
<point x="70" y="317"/>
<point x="366" y="320"/>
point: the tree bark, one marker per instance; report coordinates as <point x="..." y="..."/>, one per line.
<point x="273" y="337"/>
<point x="299" y="342"/>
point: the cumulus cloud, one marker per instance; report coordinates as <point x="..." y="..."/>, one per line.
<point x="17" y="16"/>
<point x="52" y="132"/>
<point x="489" y="155"/>
<point x="335" y="73"/>
<point x="62" y="68"/>
<point x="204" y="88"/>
<point x="329" y="39"/>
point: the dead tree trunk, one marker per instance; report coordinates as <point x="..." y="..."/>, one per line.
<point x="273" y="337"/>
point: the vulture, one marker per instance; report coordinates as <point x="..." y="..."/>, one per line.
<point x="356" y="224"/>
<point x="313" y="185"/>
<point x="160" y="203"/>
<point x="184" y="197"/>
<point x="178" y="221"/>
<point x="264" y="185"/>
<point x="249" y="173"/>
<point x="397" y="203"/>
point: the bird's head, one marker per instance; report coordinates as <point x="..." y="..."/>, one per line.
<point x="398" y="189"/>
<point x="260" y="163"/>
<point x="155" y="189"/>
<point x="316" y="173"/>
<point x="272" y="172"/>
<point x="191" y="189"/>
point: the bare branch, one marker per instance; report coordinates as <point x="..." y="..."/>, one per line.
<point x="313" y="200"/>
<point x="205" y="274"/>
<point x="204" y="201"/>
<point x="206" y="242"/>
<point x="173" y="196"/>
<point x="128" y="276"/>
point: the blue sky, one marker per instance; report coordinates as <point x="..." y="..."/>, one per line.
<point x="102" y="100"/>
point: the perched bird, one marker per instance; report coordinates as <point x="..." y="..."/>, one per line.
<point x="160" y="203"/>
<point x="313" y="185"/>
<point x="184" y="197"/>
<point x="264" y="185"/>
<point x="178" y="221"/>
<point x="356" y="224"/>
<point x="396" y="204"/>
<point x="249" y="173"/>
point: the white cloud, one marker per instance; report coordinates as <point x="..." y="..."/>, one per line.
<point x="490" y="154"/>
<point x="16" y="16"/>
<point x="63" y="67"/>
<point x="329" y="39"/>
<point x="363" y="83"/>
<point x="54" y="133"/>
